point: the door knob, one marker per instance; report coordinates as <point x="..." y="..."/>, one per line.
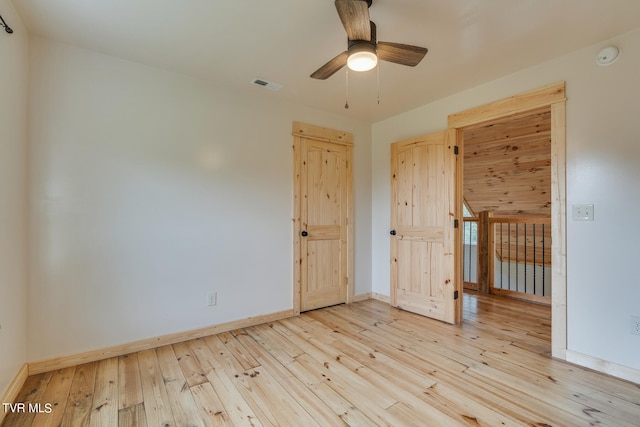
<point x="392" y="232"/>
<point x="304" y="233"/>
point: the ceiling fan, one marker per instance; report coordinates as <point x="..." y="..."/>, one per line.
<point x="363" y="49"/>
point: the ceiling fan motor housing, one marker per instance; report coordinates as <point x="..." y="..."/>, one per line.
<point x="361" y="45"/>
<point x="363" y="54"/>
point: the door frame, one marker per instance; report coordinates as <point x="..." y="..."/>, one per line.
<point x="554" y="97"/>
<point x="304" y="130"/>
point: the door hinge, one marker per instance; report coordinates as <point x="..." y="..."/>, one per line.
<point x="346" y="280"/>
<point x="456" y="150"/>
<point x="456" y="294"/>
<point x="456" y="223"/>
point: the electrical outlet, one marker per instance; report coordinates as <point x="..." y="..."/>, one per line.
<point x="212" y="299"/>
<point x="635" y="325"/>
<point x="582" y="213"/>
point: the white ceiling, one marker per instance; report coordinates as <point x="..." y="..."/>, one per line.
<point x="230" y="42"/>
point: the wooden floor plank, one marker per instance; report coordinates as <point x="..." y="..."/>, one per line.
<point x="316" y="408"/>
<point x="56" y="395"/>
<point x="375" y="368"/>
<point x="132" y="416"/>
<point x="210" y="406"/>
<point x="105" y="400"/>
<point x="32" y="391"/>
<point x="246" y="360"/>
<point x="347" y="412"/>
<point x="80" y="403"/>
<point x="454" y="368"/>
<point x="271" y="401"/>
<point x="156" y="401"/>
<point x="189" y="364"/>
<point x="266" y="338"/>
<point x="362" y="398"/>
<point x="420" y="381"/>
<point x="183" y="406"/>
<point x="363" y="364"/>
<point x="264" y="395"/>
<point x="235" y="407"/>
<point x="129" y="385"/>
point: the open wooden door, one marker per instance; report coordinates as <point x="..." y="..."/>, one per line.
<point x="323" y="158"/>
<point x="424" y="233"/>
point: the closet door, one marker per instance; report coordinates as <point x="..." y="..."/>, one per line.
<point x="324" y="184"/>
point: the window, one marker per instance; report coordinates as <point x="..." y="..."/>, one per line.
<point x="470" y="229"/>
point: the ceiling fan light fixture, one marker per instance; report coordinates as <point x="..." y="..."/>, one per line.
<point x="362" y="57"/>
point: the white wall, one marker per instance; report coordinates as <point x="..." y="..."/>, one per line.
<point x="14" y="61"/>
<point x="148" y="190"/>
<point x="603" y="155"/>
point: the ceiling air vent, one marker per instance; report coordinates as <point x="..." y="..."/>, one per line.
<point x="267" y="84"/>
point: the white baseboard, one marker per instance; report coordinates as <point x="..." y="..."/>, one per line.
<point x="609" y="368"/>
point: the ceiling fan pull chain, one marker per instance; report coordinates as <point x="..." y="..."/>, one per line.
<point x="346" y="104"/>
<point x="378" y="82"/>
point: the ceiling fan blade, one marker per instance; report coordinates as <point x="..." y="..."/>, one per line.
<point x="404" y="54"/>
<point x="354" y="15"/>
<point x="330" y="68"/>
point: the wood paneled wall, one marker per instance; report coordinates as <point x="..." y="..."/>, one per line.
<point x="507" y="165"/>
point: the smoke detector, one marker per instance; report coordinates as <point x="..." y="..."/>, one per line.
<point x="608" y="56"/>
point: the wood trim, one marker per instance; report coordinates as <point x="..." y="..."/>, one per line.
<point x="61" y="362"/>
<point x="393" y="265"/>
<point x="471" y="286"/>
<point x="297" y="228"/>
<point x="371" y="295"/>
<point x="600" y="365"/>
<point x="361" y="297"/>
<point x="321" y="134"/>
<point x="456" y="138"/>
<point x="554" y="97"/>
<point x="350" y="228"/>
<point x="15" y="386"/>
<point x="509" y="106"/>
<point x="558" y="231"/>
<point x="520" y="295"/>
<point x="380" y="297"/>
<point x="523" y="220"/>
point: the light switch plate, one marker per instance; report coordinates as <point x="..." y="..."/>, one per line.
<point x="582" y="212"/>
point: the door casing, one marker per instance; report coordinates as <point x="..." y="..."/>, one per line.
<point x="554" y="97"/>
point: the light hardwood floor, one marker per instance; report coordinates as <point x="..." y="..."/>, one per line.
<point x="364" y="364"/>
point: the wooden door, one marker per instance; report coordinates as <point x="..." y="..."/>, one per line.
<point x="323" y="192"/>
<point x="424" y="238"/>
